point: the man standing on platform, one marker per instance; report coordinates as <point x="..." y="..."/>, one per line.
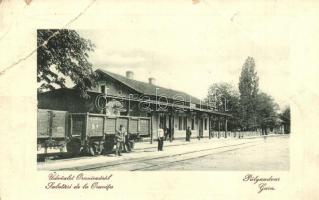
<point x="119" y="139"/>
<point x="127" y="145"/>
<point x="160" y="138"/>
<point x="188" y="134"/>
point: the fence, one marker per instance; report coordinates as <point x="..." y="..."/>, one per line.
<point x="239" y="134"/>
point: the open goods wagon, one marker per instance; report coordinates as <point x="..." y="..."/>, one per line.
<point x="85" y="132"/>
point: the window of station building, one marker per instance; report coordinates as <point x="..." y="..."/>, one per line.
<point x="185" y="123"/>
<point x="193" y="123"/>
<point x="180" y="123"/>
<point x="103" y="89"/>
<point x="205" y="123"/>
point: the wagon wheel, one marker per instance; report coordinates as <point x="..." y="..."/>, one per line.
<point x="90" y="150"/>
<point x="73" y="147"/>
<point x="132" y="143"/>
<point x="109" y="144"/>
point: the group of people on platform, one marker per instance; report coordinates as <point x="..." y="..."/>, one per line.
<point x="162" y="135"/>
<point x="122" y="141"/>
<point x="168" y="134"/>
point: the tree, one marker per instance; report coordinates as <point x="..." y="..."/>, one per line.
<point x="63" y="54"/>
<point x="224" y="97"/>
<point x="267" y="112"/>
<point x="285" y="117"/>
<point x="248" y="88"/>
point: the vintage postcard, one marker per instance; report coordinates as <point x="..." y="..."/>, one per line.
<point x="159" y="99"/>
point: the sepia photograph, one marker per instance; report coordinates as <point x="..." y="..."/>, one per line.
<point x="163" y="100"/>
<point x="126" y="108"/>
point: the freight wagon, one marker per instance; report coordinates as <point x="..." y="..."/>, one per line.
<point x="85" y="132"/>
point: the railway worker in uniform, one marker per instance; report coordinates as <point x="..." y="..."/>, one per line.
<point x="165" y="133"/>
<point x="122" y="130"/>
<point x="160" y="138"/>
<point x="171" y="134"/>
<point x="188" y="134"/>
<point x="168" y="133"/>
<point x="119" y="138"/>
<point x="126" y="143"/>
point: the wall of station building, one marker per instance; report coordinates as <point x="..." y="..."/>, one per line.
<point x="193" y="120"/>
<point x="180" y="122"/>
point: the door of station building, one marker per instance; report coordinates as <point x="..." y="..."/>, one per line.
<point x="171" y="124"/>
<point x="200" y="127"/>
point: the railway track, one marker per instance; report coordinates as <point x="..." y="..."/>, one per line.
<point x="56" y="157"/>
<point x="145" y="163"/>
<point x="59" y="156"/>
<point x="187" y="159"/>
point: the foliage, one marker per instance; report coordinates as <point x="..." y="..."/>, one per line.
<point x="267" y="111"/>
<point x="250" y="108"/>
<point x="248" y="88"/>
<point x="285" y="117"/>
<point x="218" y="93"/>
<point x="63" y="54"/>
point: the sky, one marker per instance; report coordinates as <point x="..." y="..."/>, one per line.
<point x="195" y="48"/>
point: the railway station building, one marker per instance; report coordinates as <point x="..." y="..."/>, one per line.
<point x="121" y="95"/>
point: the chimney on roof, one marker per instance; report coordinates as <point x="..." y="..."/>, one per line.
<point x="130" y="74"/>
<point x="152" y="81"/>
